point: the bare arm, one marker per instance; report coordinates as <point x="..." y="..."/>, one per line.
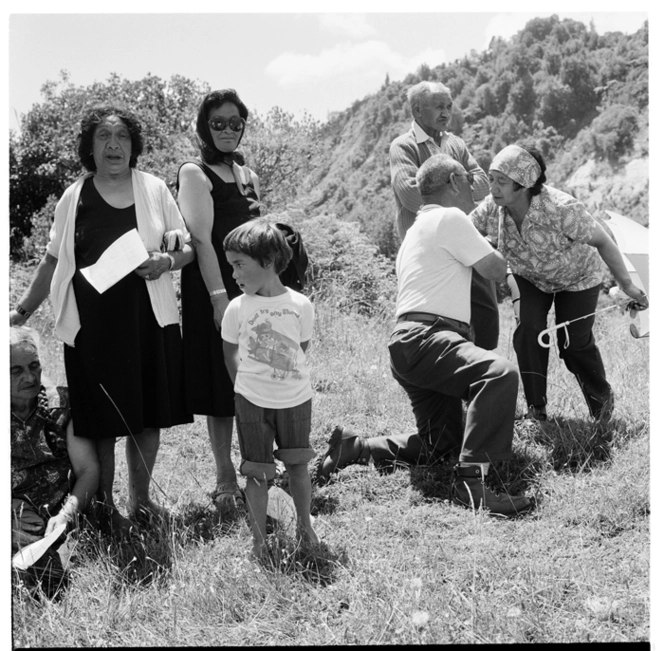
<point x="613" y="259"/>
<point x="492" y="266"/>
<point x="38" y="290"/>
<point x="83" y="456"/>
<point x="197" y="209"/>
<point x="231" y="358"/>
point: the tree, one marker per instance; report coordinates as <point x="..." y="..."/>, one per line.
<point x="282" y="151"/>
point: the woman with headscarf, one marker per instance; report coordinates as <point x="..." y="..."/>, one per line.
<point x="554" y="249"/>
<point x="123" y="348"/>
<point x="215" y="193"/>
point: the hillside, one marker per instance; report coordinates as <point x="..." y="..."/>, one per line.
<point x="583" y="99"/>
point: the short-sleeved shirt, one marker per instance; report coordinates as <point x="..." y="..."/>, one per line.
<point x="434" y="263"/>
<point x="552" y="250"/>
<point x="40" y="464"/>
<point x="268" y="331"/>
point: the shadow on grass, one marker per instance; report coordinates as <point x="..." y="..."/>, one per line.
<point x="574" y="444"/>
<point x="145" y="555"/>
<point x="316" y="564"/>
<point x="203" y="523"/>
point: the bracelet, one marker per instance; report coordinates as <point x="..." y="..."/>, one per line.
<point x="514" y="300"/>
<point x="22" y="311"/>
<point x="172" y="259"/>
<point x="217" y="292"/>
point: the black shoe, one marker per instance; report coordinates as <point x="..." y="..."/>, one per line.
<point x="536" y="413"/>
<point x="471" y="491"/>
<point x="602" y="410"/>
<point x="341" y="452"/>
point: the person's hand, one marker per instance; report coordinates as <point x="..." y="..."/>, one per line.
<point x="219" y="305"/>
<point x="154" y="266"/>
<point x="56" y="521"/>
<point x="639" y="296"/>
<point x="16" y="319"/>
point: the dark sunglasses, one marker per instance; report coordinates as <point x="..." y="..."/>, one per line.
<point x="236" y="123"/>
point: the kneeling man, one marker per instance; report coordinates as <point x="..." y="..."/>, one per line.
<point x="433" y="358"/>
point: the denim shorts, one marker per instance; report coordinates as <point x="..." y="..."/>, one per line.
<point x="259" y="428"/>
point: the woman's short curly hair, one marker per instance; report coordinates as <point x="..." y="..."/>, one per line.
<point x="209" y="152"/>
<point x="93" y="118"/>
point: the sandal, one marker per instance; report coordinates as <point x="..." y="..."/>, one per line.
<point x="227" y="494"/>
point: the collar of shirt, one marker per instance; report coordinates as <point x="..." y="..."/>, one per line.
<point x="420" y="135"/>
<point x="428" y="206"/>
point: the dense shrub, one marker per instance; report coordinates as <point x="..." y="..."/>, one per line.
<point x="345" y="269"/>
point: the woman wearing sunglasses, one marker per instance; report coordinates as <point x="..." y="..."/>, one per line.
<point x="216" y="194"/>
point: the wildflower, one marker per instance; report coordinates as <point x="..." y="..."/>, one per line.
<point x="420" y="618"/>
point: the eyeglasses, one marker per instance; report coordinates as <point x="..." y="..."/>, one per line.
<point x="236" y="123"/>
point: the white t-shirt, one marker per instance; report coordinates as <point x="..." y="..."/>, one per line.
<point x="434" y="263"/>
<point x="268" y="331"/>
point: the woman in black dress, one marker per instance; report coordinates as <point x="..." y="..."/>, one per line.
<point x="123" y="349"/>
<point x="215" y="194"/>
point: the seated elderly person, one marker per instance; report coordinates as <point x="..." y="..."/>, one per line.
<point x="44" y="453"/>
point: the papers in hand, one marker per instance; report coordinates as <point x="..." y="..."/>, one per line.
<point x="34" y="551"/>
<point x="119" y="260"/>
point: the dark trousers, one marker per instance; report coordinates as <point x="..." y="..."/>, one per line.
<point x="439" y="367"/>
<point x="484" y="317"/>
<point x="576" y="343"/>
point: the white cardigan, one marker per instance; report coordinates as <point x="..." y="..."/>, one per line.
<point x="156" y="213"/>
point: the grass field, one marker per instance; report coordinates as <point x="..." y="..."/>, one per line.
<point x="399" y="562"/>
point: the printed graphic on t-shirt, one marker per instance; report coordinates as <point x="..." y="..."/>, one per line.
<point x="274" y="349"/>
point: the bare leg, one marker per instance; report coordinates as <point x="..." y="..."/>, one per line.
<point x="256" y="494"/>
<point x="300" y="488"/>
<point x="141" y="453"/>
<point x="106" y="456"/>
<point x="110" y="514"/>
<point x="220" y="430"/>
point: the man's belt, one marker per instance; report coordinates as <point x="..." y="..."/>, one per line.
<point x="425" y="317"/>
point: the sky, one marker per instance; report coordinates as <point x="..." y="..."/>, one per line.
<point x="313" y="62"/>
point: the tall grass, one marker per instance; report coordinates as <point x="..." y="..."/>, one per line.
<point x="399" y="563"/>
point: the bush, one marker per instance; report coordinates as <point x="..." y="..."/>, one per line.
<point x="345" y="269"/>
<point x="614" y="131"/>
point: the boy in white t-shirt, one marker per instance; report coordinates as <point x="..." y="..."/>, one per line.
<point x="265" y="332"/>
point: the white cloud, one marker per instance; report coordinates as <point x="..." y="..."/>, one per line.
<point x="369" y="60"/>
<point x="508" y="24"/>
<point x="351" y="25"/>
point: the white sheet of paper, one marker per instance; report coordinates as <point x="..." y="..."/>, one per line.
<point x="119" y="259"/>
<point x="29" y="555"/>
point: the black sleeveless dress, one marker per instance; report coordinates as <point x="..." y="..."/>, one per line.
<point x="120" y="347"/>
<point x="208" y="387"/>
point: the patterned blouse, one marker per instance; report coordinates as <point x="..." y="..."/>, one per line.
<point x="39" y="460"/>
<point x="551" y="251"/>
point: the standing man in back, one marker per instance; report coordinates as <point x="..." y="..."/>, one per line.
<point x="431" y="106"/>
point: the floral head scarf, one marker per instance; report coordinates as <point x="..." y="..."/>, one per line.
<point x="517" y="164"/>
